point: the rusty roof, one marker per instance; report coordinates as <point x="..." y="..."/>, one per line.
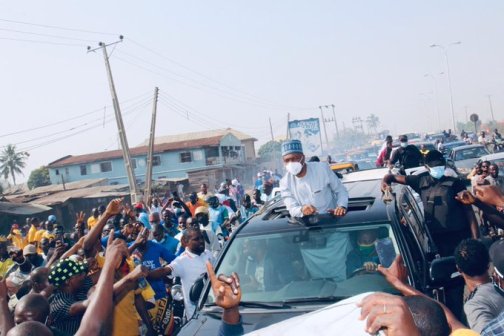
<point x="22" y="209"/>
<point x="136" y="151"/>
<point x="91" y="192"/>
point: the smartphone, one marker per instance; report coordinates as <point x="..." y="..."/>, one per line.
<point x="385" y="250"/>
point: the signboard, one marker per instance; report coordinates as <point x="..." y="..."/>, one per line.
<point x="474" y="117"/>
<point x="308" y="131"/>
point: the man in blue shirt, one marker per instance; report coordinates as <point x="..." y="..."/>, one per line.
<point x="218" y="216"/>
<point x="163" y="238"/>
<point x="150" y="253"/>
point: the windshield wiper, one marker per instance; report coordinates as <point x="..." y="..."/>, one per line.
<point x="257" y="304"/>
<point x="316" y="299"/>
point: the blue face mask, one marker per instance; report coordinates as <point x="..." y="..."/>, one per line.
<point x="437" y="172"/>
<point x="404" y="144"/>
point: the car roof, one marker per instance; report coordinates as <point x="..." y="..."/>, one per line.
<point x="365" y="206"/>
<point x="491" y="157"/>
<point x="466" y="147"/>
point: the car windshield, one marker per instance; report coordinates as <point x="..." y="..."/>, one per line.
<point x="470" y="153"/>
<point x="310" y="264"/>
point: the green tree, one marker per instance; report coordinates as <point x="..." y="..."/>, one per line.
<point x="372" y="122"/>
<point x="39" y="177"/>
<point x="266" y="151"/>
<point x="11" y="162"/>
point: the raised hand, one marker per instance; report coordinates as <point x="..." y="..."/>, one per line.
<point x="490" y="195"/>
<point x="226" y="290"/>
<point x="396" y="271"/>
<point x="116" y="250"/>
<point x="465" y="197"/>
<point x="114" y="207"/>
<point x="79" y="217"/>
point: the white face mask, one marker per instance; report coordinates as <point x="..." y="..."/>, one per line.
<point x="294" y="167"/>
<point x="404" y="144"/>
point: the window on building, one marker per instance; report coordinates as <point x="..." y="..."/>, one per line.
<point x="83" y="170"/>
<point x="67" y="171"/>
<point x="133" y="163"/>
<point x="156" y="160"/>
<point x="57" y="172"/>
<point x="185" y="157"/>
<point x="105" y="166"/>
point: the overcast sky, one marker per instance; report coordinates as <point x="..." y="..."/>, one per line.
<point x="236" y="64"/>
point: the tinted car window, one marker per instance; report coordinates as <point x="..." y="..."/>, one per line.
<point x="307" y="263"/>
<point x="470" y="153"/>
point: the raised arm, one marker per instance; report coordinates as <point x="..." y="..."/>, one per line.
<point x="101" y="304"/>
<point x="6" y="319"/>
<point x="113" y="208"/>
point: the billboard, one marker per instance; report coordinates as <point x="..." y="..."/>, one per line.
<point x="308" y="131"/>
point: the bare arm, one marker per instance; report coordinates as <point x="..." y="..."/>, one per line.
<point x="144" y="315"/>
<point x="113" y="208"/>
<point x="6" y="319"/>
<point x="159" y="273"/>
<point x="100" y="307"/>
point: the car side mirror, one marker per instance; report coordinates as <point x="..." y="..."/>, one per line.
<point x="197" y="288"/>
<point x="443" y="270"/>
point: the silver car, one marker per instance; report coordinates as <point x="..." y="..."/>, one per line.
<point x="465" y="157"/>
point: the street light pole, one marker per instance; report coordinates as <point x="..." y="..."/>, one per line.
<point x="491" y="107"/>
<point x="445" y="50"/>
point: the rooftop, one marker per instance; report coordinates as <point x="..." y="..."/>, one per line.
<point x="136" y="151"/>
<point x="198" y="135"/>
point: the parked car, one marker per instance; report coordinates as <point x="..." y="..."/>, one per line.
<point x="288" y="267"/>
<point x="465" y="157"/>
<point x="427" y="144"/>
<point x="448" y="147"/>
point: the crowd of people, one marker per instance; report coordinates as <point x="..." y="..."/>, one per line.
<point x="128" y="270"/>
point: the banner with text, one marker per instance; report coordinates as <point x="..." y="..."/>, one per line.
<point x="308" y="131"/>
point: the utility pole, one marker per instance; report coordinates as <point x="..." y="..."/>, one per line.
<point x="491" y="107"/>
<point x="288" y="129"/>
<point x="273" y="146"/>
<point x="120" y="125"/>
<point x="466" y="113"/>
<point x="323" y="123"/>
<point x="335" y="121"/>
<point x="150" y="151"/>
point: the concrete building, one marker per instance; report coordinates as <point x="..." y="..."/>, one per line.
<point x="211" y="156"/>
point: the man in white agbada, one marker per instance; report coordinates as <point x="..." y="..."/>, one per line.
<point x="310" y="188"/>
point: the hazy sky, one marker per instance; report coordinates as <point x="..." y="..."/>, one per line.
<point x="237" y="63"/>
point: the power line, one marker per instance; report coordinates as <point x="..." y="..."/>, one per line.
<point x="212" y="79"/>
<point x="46" y="35"/>
<point x="58" y="27"/>
<point x="43" y="42"/>
<point x="73" y="118"/>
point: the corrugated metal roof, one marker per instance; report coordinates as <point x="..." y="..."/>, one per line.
<point x="91" y="192"/>
<point x="199" y="135"/>
<point x="142" y="150"/>
<point x="22" y="209"/>
<point x="68" y="186"/>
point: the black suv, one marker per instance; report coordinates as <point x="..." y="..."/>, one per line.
<point x="289" y="267"/>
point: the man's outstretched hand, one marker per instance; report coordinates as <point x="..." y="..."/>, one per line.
<point x="226" y="289"/>
<point x="490" y="195"/>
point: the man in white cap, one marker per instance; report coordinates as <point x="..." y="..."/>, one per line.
<point x="310" y="187"/>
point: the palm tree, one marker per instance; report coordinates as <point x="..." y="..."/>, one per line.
<point x="372" y="122"/>
<point x="11" y="162"/>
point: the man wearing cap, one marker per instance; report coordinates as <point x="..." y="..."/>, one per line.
<point x="496" y="326"/>
<point x="448" y="220"/>
<point x="484" y="302"/>
<point x="194" y="203"/>
<point x="93" y="219"/>
<point x="408" y="156"/>
<point x="310" y="187"/>
<point x="30" y="252"/>
<point x="203" y="221"/>
<point x="66" y="310"/>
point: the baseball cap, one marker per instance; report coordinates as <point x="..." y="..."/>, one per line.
<point x="29" y="249"/>
<point x="201" y="209"/>
<point x="403" y="138"/>
<point x="139" y="206"/>
<point x="497" y="257"/>
<point x="434" y="158"/>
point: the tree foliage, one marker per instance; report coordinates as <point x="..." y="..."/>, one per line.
<point x="267" y="150"/>
<point x="39" y="177"/>
<point x="12" y="162"/>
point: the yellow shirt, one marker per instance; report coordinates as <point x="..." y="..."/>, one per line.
<point x="17" y="239"/>
<point x="35" y="235"/>
<point x="92" y="222"/>
<point x="126" y="318"/>
<point x="5" y="265"/>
